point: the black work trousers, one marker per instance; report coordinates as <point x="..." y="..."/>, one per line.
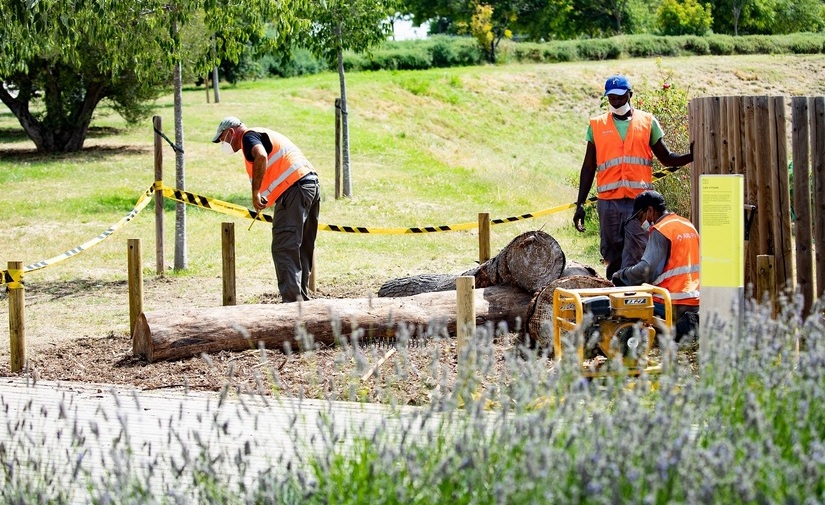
<point x="294" y="228"/>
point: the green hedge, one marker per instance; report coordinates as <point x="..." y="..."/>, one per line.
<point x="446" y="51"/>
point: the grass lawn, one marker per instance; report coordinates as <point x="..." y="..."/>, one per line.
<point x="427" y="148"/>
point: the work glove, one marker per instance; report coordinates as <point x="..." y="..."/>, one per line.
<point x="578" y="218"/>
<point x="616" y="279"/>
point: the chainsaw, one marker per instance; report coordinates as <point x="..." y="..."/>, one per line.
<point x="621" y="319"/>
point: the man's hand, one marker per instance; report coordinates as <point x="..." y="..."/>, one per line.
<point x="578" y="218"/>
<point x="258" y="201"/>
<point x="616" y="279"/>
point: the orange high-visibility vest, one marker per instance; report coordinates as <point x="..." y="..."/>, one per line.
<point x="681" y="274"/>
<point x="285" y="165"/>
<point x="623" y="168"/>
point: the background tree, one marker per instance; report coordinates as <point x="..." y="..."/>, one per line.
<point x="597" y="18"/>
<point x="684" y="17"/>
<point x="59" y="60"/>
<point x="334" y="26"/>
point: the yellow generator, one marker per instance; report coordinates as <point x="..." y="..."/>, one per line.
<point x="615" y="313"/>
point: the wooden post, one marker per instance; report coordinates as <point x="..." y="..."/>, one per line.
<point x="228" y="255"/>
<point x="765" y="280"/>
<point x="158" y="124"/>
<point x="484" y="250"/>
<point x="802" y="202"/>
<point x="696" y="122"/>
<point x="764" y="178"/>
<point x="712" y="120"/>
<point x="465" y="311"/>
<point x="337" y="148"/>
<point x="750" y="140"/>
<point x="17" y="316"/>
<point x="817" y="125"/>
<point x="735" y="132"/>
<point x="135" y="273"/>
<point x="780" y="191"/>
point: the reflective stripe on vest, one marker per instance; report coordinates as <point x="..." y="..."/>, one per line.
<point x="284" y="166"/>
<point x="681" y="273"/>
<point x="623" y="168"/>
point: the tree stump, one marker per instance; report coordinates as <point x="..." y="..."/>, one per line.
<point x="530" y="261"/>
<point x="539" y="322"/>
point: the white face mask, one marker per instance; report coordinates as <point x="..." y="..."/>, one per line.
<point x="621" y="111"/>
<point x="645" y="226"/>
<point x="226" y="147"/>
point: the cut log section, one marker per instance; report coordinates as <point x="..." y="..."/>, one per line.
<point x="530" y="261"/>
<point x="176" y="334"/>
<point x="540" y="316"/>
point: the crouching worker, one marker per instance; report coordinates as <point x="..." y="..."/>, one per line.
<point x="670" y="261"/>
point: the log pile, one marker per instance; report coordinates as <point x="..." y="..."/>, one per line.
<point x="515" y="287"/>
<point x="530" y="261"/>
<point x="177" y="334"/>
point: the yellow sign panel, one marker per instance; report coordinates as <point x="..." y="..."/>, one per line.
<point x="722" y="230"/>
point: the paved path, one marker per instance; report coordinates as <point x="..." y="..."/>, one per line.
<point x="91" y="428"/>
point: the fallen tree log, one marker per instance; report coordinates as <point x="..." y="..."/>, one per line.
<point x="176" y="334"/>
<point x="530" y="261"/>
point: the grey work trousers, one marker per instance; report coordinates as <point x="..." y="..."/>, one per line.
<point x="622" y="245"/>
<point x="294" y="228"/>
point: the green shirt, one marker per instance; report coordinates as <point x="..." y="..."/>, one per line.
<point x="622" y="126"/>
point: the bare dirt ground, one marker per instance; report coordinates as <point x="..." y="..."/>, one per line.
<point x="409" y="375"/>
<point x="326" y="372"/>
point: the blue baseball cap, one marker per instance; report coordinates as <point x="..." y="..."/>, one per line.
<point x="617" y="85"/>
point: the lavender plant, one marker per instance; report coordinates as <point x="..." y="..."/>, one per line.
<point x="737" y="421"/>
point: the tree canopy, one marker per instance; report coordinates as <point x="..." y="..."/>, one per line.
<point x="59" y="60"/>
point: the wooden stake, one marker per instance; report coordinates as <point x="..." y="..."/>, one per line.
<point x="374" y="368"/>
<point x="17" y="316"/>
<point x="135" y="283"/>
<point x="465" y="311"/>
<point x="484" y="250"/>
<point x="228" y="255"/>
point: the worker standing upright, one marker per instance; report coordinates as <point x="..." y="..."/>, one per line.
<point x="619" y="156"/>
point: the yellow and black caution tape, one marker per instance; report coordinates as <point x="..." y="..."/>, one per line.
<point x="8" y="276"/>
<point x="243" y="212"/>
<point x="11" y="276"/>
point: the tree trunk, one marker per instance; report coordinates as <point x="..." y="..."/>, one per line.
<point x="176" y="334"/>
<point x="181" y="261"/>
<point x="530" y="261"/>
<point x="66" y="122"/>
<point x="344" y="124"/>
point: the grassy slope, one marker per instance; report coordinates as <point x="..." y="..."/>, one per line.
<point x="428" y="148"/>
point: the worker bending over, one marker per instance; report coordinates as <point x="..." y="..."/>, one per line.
<point x="670" y="260"/>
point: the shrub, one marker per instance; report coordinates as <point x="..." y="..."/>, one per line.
<point x="467" y="51"/>
<point x="560" y="51"/>
<point x="443" y="52"/>
<point x="695" y="45"/>
<point x="668" y="102"/>
<point x="529" y="51"/>
<point x="598" y="49"/>
<point x="755" y="44"/>
<point x="721" y="44"/>
<point x="804" y="43"/>
<point x="645" y="46"/>
<point x="301" y="63"/>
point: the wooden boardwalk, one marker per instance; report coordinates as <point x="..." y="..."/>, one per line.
<point x="88" y="430"/>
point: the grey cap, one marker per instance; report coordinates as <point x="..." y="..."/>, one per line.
<point x="227" y="122"/>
